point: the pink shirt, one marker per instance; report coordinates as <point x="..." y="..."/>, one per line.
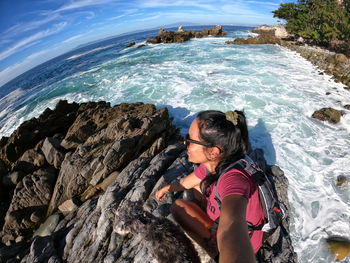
<point x="235" y="182"/>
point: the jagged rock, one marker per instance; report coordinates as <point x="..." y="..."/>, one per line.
<point x="131" y="129"/>
<point x="131" y="44"/>
<point x="53" y="154"/>
<point x="159" y="234"/>
<point x="214" y="31"/>
<point x="31" y="195"/>
<point x="327" y="114"/>
<point x="42" y="249"/>
<point x="93" y="116"/>
<point x="30" y="132"/>
<point x="140" y="46"/>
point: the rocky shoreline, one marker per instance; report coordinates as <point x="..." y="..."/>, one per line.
<point x="335" y="64"/>
<point x="78" y="182"/>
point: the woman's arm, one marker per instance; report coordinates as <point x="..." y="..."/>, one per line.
<point x="232" y="236"/>
<point x="188" y="182"/>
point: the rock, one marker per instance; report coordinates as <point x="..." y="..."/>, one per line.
<point x="347" y="106"/>
<point x="53" y="152"/>
<point x="92" y="117"/>
<point x="275" y="31"/>
<point x="259" y="40"/>
<point x="341" y="180"/>
<point x="340" y="58"/>
<point x="328" y="93"/>
<point x="67" y="206"/>
<point x="31" y="196"/>
<point x="48" y="226"/>
<point x="339" y="246"/>
<point x="131" y="44"/>
<point x="12" y="179"/>
<point x="140" y="46"/>
<point x="327" y="114"/>
<point x="121" y="134"/>
<point x="180" y="29"/>
<point x="42" y="249"/>
<point x="182" y="35"/>
<point x="14" y="252"/>
<point x="30" y="132"/>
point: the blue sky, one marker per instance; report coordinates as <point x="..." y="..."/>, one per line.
<point x="34" y="31"/>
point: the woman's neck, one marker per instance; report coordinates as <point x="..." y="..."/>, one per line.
<point x="211" y="166"/>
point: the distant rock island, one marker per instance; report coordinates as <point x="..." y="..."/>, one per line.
<point x="78" y="182"/>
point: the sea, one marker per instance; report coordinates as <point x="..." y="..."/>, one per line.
<point x="277" y="89"/>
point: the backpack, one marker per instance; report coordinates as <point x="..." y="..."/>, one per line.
<point x="274" y="211"/>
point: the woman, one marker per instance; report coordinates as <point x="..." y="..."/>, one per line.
<point x="216" y="140"/>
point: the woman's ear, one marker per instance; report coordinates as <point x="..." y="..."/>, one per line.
<point x="213" y="153"/>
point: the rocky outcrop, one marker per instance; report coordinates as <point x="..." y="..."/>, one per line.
<point x="259" y="40"/>
<point x="131" y="44"/>
<point x="335" y="64"/>
<point x="327" y="114"/>
<point x="115" y="158"/>
<point x="182" y="35"/>
<point x="275" y="31"/>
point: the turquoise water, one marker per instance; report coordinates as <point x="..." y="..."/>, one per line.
<point x="277" y="89"/>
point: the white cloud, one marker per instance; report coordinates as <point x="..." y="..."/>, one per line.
<point x="209" y="5"/>
<point x="72" y="38"/>
<point x="126" y="13"/>
<point x="81" y="4"/>
<point x="148" y="18"/>
<point x="22" y="44"/>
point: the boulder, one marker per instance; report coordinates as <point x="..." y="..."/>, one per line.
<point x="180" y="29"/>
<point x="28" y="205"/>
<point x="347" y="106"/>
<point x="327" y="114"/>
<point x="341" y="180"/>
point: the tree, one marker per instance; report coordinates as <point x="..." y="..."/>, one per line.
<point x="319" y="20"/>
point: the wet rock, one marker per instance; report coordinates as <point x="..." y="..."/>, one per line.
<point x="53" y="152"/>
<point x="140" y="46"/>
<point x="30" y="200"/>
<point x="341" y="180"/>
<point x="339" y="246"/>
<point x="327" y="114"/>
<point x="347" y="106"/>
<point x="131" y="44"/>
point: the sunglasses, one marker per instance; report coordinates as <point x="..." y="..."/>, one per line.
<point x="187" y="142"/>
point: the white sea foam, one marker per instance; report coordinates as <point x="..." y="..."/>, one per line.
<point x="278" y="91"/>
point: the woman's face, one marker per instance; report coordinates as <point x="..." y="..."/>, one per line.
<point x="196" y="152"/>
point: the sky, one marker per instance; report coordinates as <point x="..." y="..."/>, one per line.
<point x="35" y="31"/>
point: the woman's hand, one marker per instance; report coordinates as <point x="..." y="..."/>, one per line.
<point x="161" y="193"/>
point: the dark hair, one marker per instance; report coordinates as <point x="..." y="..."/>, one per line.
<point x="232" y="139"/>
